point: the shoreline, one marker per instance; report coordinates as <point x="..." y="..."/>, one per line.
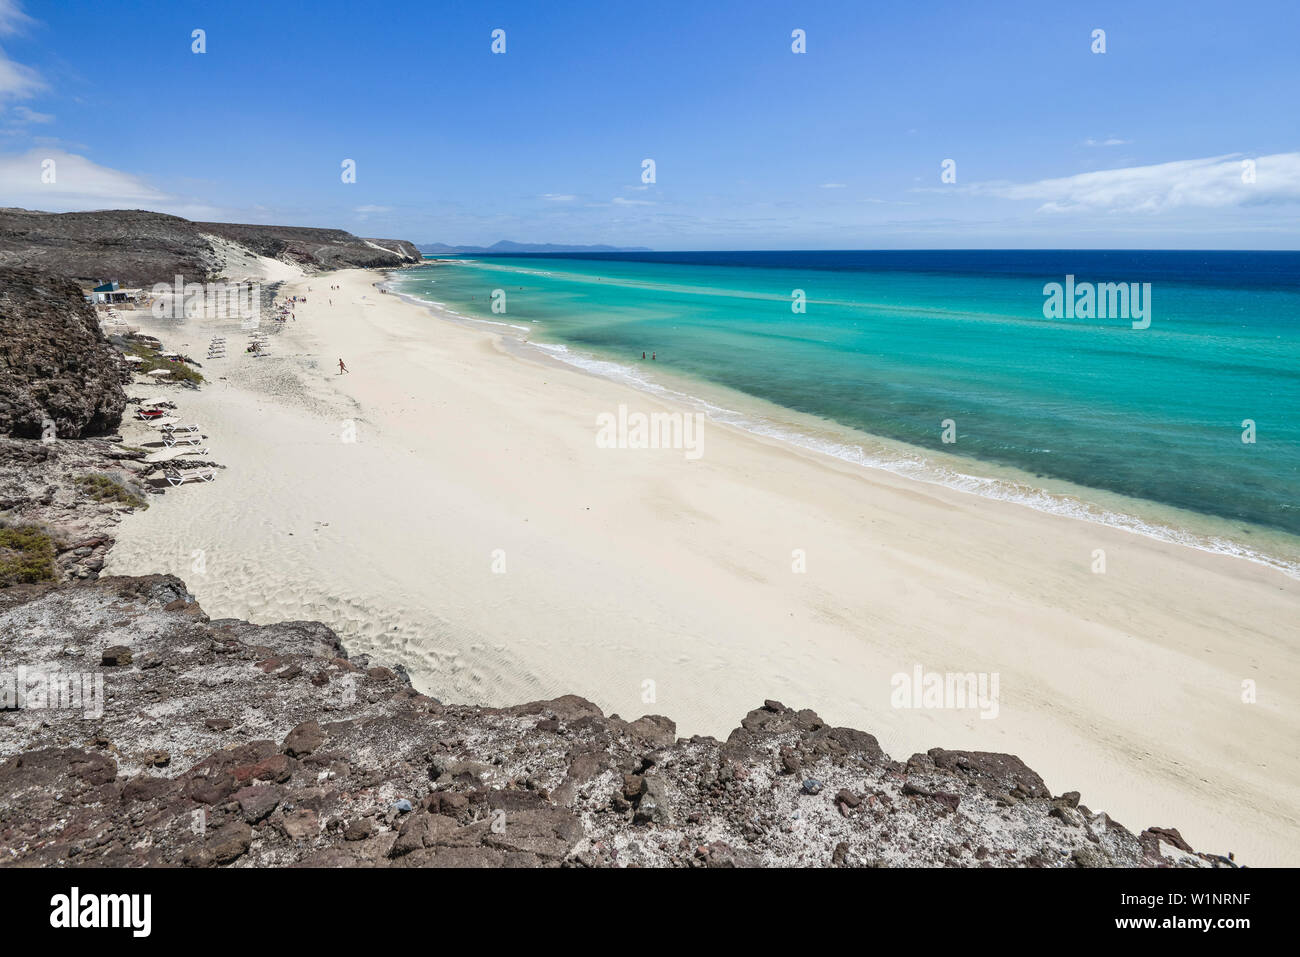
<point x="683" y="574"/>
<point x="1169" y="524"/>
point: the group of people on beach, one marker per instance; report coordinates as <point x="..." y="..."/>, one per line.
<point x="652" y="355"/>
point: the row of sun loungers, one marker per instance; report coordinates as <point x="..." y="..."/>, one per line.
<point x="179" y="439"/>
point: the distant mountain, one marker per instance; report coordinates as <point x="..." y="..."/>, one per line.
<point x="505" y="246"/>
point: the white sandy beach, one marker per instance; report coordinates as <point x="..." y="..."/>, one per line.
<point x="628" y="566"/>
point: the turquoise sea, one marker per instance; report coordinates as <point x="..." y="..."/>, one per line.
<point x="1137" y="427"/>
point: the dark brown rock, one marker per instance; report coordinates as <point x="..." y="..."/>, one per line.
<point x="57" y="371"/>
<point x="258" y="801"/>
<point x="303" y="739"/>
<point x="116" y="656"/>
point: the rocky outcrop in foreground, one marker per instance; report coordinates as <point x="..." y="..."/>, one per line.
<point x="71" y="495"/>
<point x="224" y="743"/>
<point x="55" y="364"/>
<point x="137" y="247"/>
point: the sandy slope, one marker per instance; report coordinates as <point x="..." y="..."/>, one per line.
<point x="629" y="566"/>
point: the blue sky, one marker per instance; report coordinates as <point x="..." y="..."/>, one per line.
<point x="755" y="146"/>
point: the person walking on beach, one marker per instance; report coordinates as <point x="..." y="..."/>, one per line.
<point x="342" y="367"/>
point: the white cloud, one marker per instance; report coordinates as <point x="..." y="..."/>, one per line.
<point x="16" y="81"/>
<point x="81" y="184"/>
<point x="1214" y="182"/>
<point x="832" y="186"/>
<point x="12" y="18"/>
<point x="25" y="115"/>
<point x="366" y="210"/>
<point x="559" y="197"/>
<point x="1110" y="141"/>
<point x="624" y="201"/>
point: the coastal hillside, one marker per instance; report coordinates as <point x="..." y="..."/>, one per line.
<point x="137" y="247"/>
<point x="205" y="743"/>
<point x="57" y="370"/>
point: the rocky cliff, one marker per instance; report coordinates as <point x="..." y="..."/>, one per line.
<point x="316" y="248"/>
<point x="137" y="247"/>
<point x="55" y="364"/>
<point x="151" y="735"/>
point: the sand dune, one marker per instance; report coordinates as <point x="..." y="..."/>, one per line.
<point x="475" y="531"/>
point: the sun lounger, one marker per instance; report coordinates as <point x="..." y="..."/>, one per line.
<point x="166" y="455"/>
<point x="183" y="438"/>
<point x="149" y="414"/>
<point x="189" y="475"/>
<point x="180" y="428"/>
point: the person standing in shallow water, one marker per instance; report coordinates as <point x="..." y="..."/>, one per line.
<point x="342" y="367"/>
